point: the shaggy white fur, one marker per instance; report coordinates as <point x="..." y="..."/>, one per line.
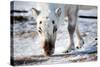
<point x="49" y="17"/>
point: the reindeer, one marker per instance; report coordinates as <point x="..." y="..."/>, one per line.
<point x="48" y="21"/>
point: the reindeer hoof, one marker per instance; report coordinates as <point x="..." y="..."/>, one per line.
<point x="66" y="51"/>
<point x="77" y="47"/>
<point x="80" y="45"/>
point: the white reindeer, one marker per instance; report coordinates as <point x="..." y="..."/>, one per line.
<point x="49" y="17"/>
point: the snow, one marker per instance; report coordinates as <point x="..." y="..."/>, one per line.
<point x="91" y="12"/>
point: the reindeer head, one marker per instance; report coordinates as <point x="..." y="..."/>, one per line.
<point x="47" y="28"/>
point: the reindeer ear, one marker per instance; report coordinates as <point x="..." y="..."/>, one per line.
<point x="58" y="11"/>
<point x="35" y="12"/>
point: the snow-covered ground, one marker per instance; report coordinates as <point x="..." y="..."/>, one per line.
<point x="27" y="41"/>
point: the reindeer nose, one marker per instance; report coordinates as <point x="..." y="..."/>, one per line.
<point x="48" y="48"/>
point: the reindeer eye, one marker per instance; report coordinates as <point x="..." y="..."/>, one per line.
<point x="53" y="22"/>
<point x="40" y="22"/>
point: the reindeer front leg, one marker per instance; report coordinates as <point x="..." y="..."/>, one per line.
<point x="71" y="30"/>
<point x="72" y="21"/>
